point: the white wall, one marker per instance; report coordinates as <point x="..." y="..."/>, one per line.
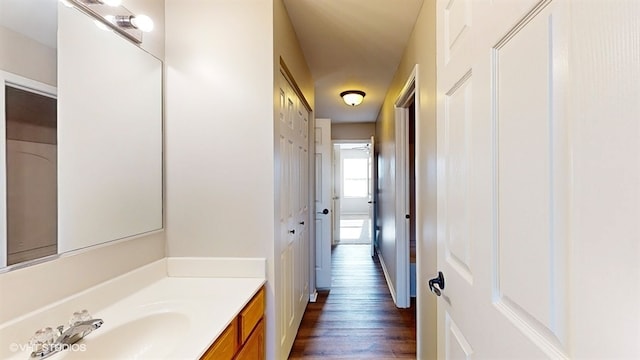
<point x="219" y="142"/>
<point x="219" y="133"/>
<point x="221" y="57"/>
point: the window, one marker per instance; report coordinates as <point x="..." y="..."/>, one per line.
<point x="355" y="178"/>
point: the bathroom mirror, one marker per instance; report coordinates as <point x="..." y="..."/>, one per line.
<point x="93" y="173"/>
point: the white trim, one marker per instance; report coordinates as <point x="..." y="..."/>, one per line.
<point x="392" y="290"/>
<point x="313" y="297"/>
<point x="343" y="141"/>
<point x="23" y="83"/>
<point x="408" y="95"/>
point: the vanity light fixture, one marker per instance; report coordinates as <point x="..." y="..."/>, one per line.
<point x="141" y="22"/>
<point x="352" y="97"/>
<point x="117" y="17"/>
<point x="113" y="3"/>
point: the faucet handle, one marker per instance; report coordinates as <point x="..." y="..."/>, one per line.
<point x="79" y="316"/>
<point x="42" y="337"/>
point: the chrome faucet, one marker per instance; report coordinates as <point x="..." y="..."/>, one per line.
<point x="65" y="338"/>
<point x="76" y="332"/>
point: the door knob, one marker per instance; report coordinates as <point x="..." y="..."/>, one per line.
<point x="325" y="211"/>
<point x="437" y="281"/>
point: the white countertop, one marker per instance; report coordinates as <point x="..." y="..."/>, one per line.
<point x="148" y="313"/>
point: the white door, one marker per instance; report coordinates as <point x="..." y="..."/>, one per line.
<point x="323" y="203"/>
<point x="538" y="179"/>
<point x="292" y="270"/>
<point x="372" y="201"/>
<point x="336" y="188"/>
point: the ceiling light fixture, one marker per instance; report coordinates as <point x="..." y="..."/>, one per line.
<point x="352" y="97"/>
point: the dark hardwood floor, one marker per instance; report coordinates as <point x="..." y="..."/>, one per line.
<point x="357" y="318"/>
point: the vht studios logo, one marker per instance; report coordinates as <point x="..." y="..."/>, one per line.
<point x="48" y="348"/>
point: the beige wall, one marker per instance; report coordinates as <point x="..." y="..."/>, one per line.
<point x="420" y="50"/>
<point x="286" y="45"/>
<point x="352" y="131"/>
<point x="23" y="56"/>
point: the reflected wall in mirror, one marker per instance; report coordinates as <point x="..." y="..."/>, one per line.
<point x="93" y="173"/>
<point x="31" y="173"/>
<point x="28" y="129"/>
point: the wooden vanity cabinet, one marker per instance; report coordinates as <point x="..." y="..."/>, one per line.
<point x="244" y="337"/>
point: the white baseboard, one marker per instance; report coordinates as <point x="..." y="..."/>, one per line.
<point x="392" y="290"/>
<point x="313" y="297"/>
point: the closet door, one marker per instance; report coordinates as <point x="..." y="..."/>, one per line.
<point x="292" y="154"/>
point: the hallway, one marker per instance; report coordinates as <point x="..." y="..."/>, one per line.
<point x="357" y="319"/>
<point x="355" y="229"/>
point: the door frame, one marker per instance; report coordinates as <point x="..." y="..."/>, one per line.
<point x="36" y="87"/>
<point x="337" y="178"/>
<point x="408" y="95"/>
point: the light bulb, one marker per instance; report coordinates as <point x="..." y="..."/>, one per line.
<point x="112" y="2"/>
<point x="142" y="22"/>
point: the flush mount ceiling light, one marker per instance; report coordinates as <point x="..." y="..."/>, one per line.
<point x="352" y="97"/>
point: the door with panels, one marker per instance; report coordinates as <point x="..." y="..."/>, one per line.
<point x="293" y="245"/>
<point x="522" y="211"/>
<point x="323" y="217"/>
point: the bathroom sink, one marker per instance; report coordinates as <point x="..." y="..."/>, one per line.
<point x="171" y="318"/>
<point x="149" y="337"/>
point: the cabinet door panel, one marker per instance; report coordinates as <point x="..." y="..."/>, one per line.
<point x="224" y="348"/>
<point x="254" y="347"/>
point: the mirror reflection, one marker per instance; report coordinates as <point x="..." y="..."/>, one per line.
<point x="28" y="58"/>
<point x="81" y="133"/>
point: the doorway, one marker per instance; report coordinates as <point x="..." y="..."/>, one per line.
<point x="352" y="193"/>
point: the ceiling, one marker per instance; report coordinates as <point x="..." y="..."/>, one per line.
<point x="348" y="44"/>
<point x="352" y="45"/>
